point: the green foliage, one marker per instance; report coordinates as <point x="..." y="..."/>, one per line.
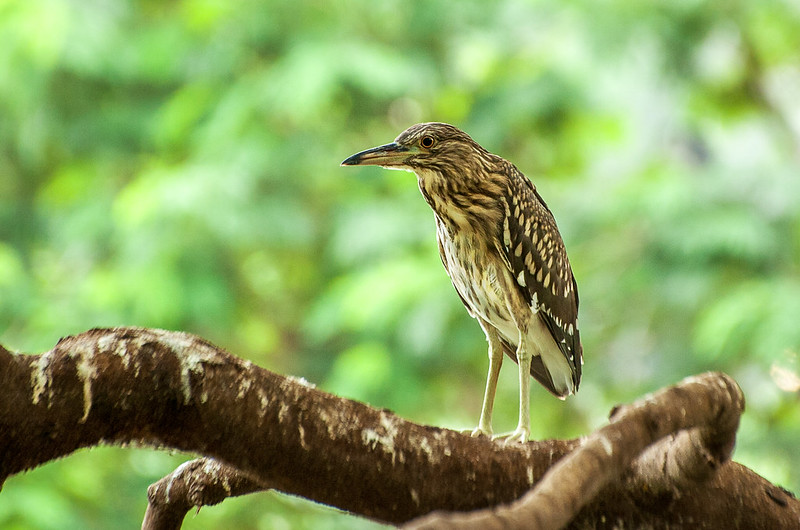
<point x="175" y="164"/>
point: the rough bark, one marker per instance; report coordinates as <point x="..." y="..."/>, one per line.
<point x="200" y="482"/>
<point x="700" y="415"/>
<point x="170" y="389"/>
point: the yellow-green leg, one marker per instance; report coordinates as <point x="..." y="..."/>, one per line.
<point x="495" y="361"/>
<point x="523" y="430"/>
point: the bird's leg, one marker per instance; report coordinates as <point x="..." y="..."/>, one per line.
<point x="524" y="356"/>
<point x="495" y="361"/>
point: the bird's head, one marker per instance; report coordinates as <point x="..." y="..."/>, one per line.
<point x="424" y="146"/>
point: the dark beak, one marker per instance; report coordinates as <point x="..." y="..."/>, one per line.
<point x="392" y="154"/>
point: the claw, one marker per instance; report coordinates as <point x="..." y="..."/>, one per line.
<point x="477" y="432"/>
<point x="521" y="435"/>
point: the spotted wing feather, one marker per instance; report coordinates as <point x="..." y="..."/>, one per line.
<point x="535" y="254"/>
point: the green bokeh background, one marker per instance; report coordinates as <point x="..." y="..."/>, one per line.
<point x="176" y="165"/>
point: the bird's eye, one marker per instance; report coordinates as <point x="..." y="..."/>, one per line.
<point x="427" y="142"/>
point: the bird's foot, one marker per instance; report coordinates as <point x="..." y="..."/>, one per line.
<point x="521" y="435"/>
<point x="479" y="431"/>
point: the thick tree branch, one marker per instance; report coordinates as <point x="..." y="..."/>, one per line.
<point x="702" y="411"/>
<point x="170" y="389"/>
<point x="173" y="389"/>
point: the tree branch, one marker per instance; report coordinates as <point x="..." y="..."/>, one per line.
<point x="200" y="482"/>
<point x="704" y="411"/>
<point x="176" y="390"/>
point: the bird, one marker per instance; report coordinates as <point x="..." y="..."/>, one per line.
<point x="502" y="250"/>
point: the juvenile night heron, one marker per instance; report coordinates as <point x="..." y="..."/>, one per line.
<point x="501" y="248"/>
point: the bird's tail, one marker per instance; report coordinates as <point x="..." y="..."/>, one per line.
<point x="539" y="372"/>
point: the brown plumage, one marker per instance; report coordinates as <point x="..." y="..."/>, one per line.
<point x="501" y="248"/>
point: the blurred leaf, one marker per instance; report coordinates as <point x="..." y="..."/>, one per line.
<point x="360" y="371"/>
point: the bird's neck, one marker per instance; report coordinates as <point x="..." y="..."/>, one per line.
<point x="459" y="202"/>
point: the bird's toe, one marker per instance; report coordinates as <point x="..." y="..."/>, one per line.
<point x="478" y="431"/>
<point x="521" y="435"/>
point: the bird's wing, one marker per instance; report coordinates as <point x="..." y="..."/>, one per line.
<point x="534" y="253"/>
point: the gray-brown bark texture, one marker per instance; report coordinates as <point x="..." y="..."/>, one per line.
<point x="259" y="430"/>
